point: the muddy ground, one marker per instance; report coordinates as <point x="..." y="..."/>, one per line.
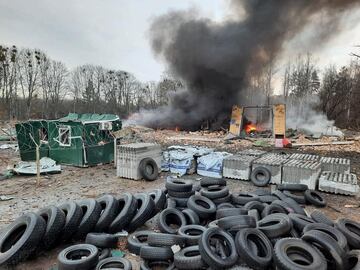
<point x="78" y="183"/>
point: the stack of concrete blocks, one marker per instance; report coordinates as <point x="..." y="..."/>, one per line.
<point x="238" y="167"/>
<point x="129" y="157"/>
<point x="338" y="183"/>
<point x="332" y="164"/>
<point x="297" y="171"/>
<point x="273" y="162"/>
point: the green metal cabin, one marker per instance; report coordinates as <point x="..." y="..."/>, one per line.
<point x="77" y="139"/>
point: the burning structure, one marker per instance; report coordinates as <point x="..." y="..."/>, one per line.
<point x="217" y="60"/>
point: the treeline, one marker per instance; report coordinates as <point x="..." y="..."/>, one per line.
<point x="32" y="85"/>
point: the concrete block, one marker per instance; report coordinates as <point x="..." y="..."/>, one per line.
<point x="333" y="164"/>
<point x="296" y="171"/>
<point x="302" y="156"/>
<point x="129" y="157"/>
<point x="252" y="152"/>
<point x="238" y="167"/>
<point x="273" y="162"/>
<point x="338" y="183"/>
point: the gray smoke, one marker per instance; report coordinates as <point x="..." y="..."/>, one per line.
<point x="216" y="60"/>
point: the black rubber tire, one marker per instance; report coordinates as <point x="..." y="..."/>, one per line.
<point x="202" y="206"/>
<point x="320" y="217"/>
<point x="260" y="176"/>
<point x="353" y="259"/>
<point x="331" y="231"/>
<point x="243" y="198"/>
<point x="228" y="212"/>
<point x="214" y="192"/>
<point x="73" y="216"/>
<point x="165" y="239"/>
<point x="55" y="221"/>
<point x="275" y="225"/>
<point x="210" y="257"/>
<point x="104" y="253"/>
<point x="263" y="257"/>
<point x="170" y="203"/>
<point x="189" y="258"/>
<point x="91" y="212"/>
<point x="300" y="221"/>
<point x="102" y="240"/>
<point x="148" y="169"/>
<point x="225" y="205"/>
<point x="170" y="217"/>
<point x="295" y="206"/>
<point x="284" y="205"/>
<point x="114" y="263"/>
<point x="136" y="240"/>
<point x="279" y="194"/>
<point x="156" y="253"/>
<point x="159" y="198"/>
<point x="146" y="207"/>
<point x="244" y="221"/>
<point x="178" y="185"/>
<point x="225" y="199"/>
<point x="150" y="265"/>
<point x="180" y="202"/>
<point x="297" y="198"/>
<point x="254" y="213"/>
<point x="206" y="182"/>
<point x="288" y="252"/>
<point x="267" y="198"/>
<point x="254" y="205"/>
<point x="262" y="192"/>
<point x="292" y="187"/>
<point x="272" y="209"/>
<point x="191" y="234"/>
<point x="110" y="209"/>
<point x="180" y="194"/>
<point x="351" y="230"/>
<point x="127" y="207"/>
<point x="314" y="198"/>
<point x="20" y="239"/>
<point x="191" y="217"/>
<point x="333" y="252"/>
<point x="82" y="256"/>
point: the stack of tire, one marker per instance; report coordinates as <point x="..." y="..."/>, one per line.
<point x="34" y="233"/>
<point x="260" y="230"/>
<point x="179" y="191"/>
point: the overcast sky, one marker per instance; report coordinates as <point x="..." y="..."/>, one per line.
<point x="113" y="33"/>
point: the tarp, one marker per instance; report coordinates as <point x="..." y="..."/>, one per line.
<point x="47" y="165"/>
<point x="88" y="118"/>
<point x="211" y="165"/>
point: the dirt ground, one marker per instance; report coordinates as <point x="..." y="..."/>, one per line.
<point x="78" y="183"/>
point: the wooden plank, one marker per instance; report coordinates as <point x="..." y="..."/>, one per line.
<point x="236" y="120"/>
<point x="322" y="143"/>
<point x="279" y="111"/>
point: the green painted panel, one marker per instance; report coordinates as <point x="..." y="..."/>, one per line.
<point x="100" y="153"/>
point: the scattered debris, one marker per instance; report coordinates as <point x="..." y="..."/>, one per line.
<point x="47" y="165"/>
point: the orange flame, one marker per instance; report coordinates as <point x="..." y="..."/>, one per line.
<point x="177" y="129"/>
<point x="250" y="128"/>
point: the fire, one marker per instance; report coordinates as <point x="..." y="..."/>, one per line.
<point x="177" y="129"/>
<point x="250" y="128"/>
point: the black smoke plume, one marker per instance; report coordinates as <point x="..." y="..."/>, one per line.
<point x="216" y="60"/>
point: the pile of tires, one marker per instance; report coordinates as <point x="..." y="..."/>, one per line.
<point x="34" y="233"/>
<point x="260" y="230"/>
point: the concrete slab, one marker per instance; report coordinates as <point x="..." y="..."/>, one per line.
<point x="238" y="167"/>
<point x="296" y="171"/>
<point x="338" y="183"/>
<point x="273" y="162"/>
<point x="129" y="157"/>
<point x="333" y="164"/>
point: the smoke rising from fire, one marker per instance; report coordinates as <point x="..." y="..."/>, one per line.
<point x="216" y="60"/>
